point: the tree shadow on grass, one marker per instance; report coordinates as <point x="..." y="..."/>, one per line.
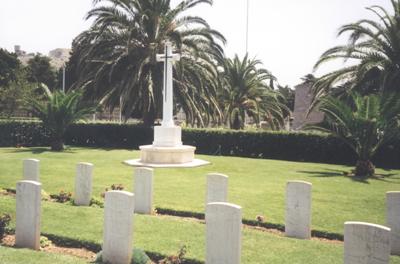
<point x="340" y="173"/>
<point x="40" y="150"/>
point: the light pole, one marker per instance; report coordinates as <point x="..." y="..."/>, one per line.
<point x="63" y="83"/>
<point x="247" y="25"/>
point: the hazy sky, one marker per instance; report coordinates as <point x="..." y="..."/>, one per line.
<point x="287" y="35"/>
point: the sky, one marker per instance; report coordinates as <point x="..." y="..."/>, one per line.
<point x="288" y="36"/>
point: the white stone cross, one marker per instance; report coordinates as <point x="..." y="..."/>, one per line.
<point x="168" y="58"/>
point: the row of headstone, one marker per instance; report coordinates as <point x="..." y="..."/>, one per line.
<point x="363" y="241"/>
<point x="118" y="221"/>
<point x="143" y="184"/>
<point x="298" y="203"/>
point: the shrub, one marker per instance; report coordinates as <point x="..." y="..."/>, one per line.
<point x="114" y="187"/>
<point x="293" y="146"/>
<point x="4" y="222"/>
<point x="62" y="197"/>
<point x="175" y="259"/>
<point x="138" y="257"/>
<point x="94" y="202"/>
<point x="44" y="242"/>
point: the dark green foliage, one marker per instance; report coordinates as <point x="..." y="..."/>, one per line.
<point x="58" y="112"/>
<point x="61" y="197"/>
<point x="4" y="222"/>
<point x="374" y="47"/>
<point x="289" y="95"/>
<point x="39" y="70"/>
<point x="27" y="134"/>
<point x="9" y="66"/>
<point x="116" y="58"/>
<point x="300" y="146"/>
<point x="14" y="95"/>
<point x="245" y="90"/>
<point x="14" y="87"/>
<point x="365" y="123"/>
<point x="94" y="202"/>
<point x="109" y="135"/>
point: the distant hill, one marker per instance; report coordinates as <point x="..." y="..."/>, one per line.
<point x="57" y="56"/>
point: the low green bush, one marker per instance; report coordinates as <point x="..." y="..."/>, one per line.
<point x="138" y="257"/>
<point x="282" y="145"/>
<point x="4" y="222"/>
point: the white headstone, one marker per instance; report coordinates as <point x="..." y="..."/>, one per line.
<point x="393" y="220"/>
<point x="366" y="243"/>
<point x="118" y="227"/>
<point x="217" y="188"/>
<point x="223" y="233"/>
<point x="83" y="184"/>
<point x="28" y="214"/>
<point x="143" y="186"/>
<point x="298" y="210"/>
<point x="31" y="169"/>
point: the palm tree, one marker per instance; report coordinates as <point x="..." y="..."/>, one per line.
<point x="248" y="90"/>
<point x="58" y="111"/>
<point x="364" y="124"/>
<point x="117" y="57"/>
<point x="375" y="49"/>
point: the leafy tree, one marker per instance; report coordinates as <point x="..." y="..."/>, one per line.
<point x="246" y="89"/>
<point x="289" y="95"/>
<point x="14" y="87"/>
<point x="374" y="47"/>
<point x="39" y="70"/>
<point x="365" y="124"/>
<point x="58" y="111"/>
<point x="116" y="57"/>
<point x="13" y="96"/>
<point x="9" y="67"/>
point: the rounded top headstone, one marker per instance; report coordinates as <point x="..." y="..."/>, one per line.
<point x="30" y="182"/>
<point x="367" y="224"/>
<point x="218" y="175"/>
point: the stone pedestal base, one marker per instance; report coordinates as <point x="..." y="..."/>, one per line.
<point x="167" y="136"/>
<point x="167" y="151"/>
<point x="166" y="155"/>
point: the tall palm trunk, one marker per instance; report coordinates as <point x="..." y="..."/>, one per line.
<point x="236" y="124"/>
<point x="149" y="118"/>
<point x="364" y="168"/>
<point x="149" y="113"/>
<point x="57" y="143"/>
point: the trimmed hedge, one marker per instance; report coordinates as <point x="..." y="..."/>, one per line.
<point x="293" y="146"/>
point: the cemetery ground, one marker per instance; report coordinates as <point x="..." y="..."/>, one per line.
<point x="255" y="184"/>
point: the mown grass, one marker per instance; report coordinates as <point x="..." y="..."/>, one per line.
<point x="165" y="235"/>
<point x="255" y="184"/>
<point x="23" y="256"/>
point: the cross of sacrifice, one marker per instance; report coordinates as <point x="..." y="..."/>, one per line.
<point x="168" y="58"/>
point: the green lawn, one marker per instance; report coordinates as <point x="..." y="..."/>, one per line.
<point x="23" y="256"/>
<point x="255" y="184"/>
<point x="166" y="235"/>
